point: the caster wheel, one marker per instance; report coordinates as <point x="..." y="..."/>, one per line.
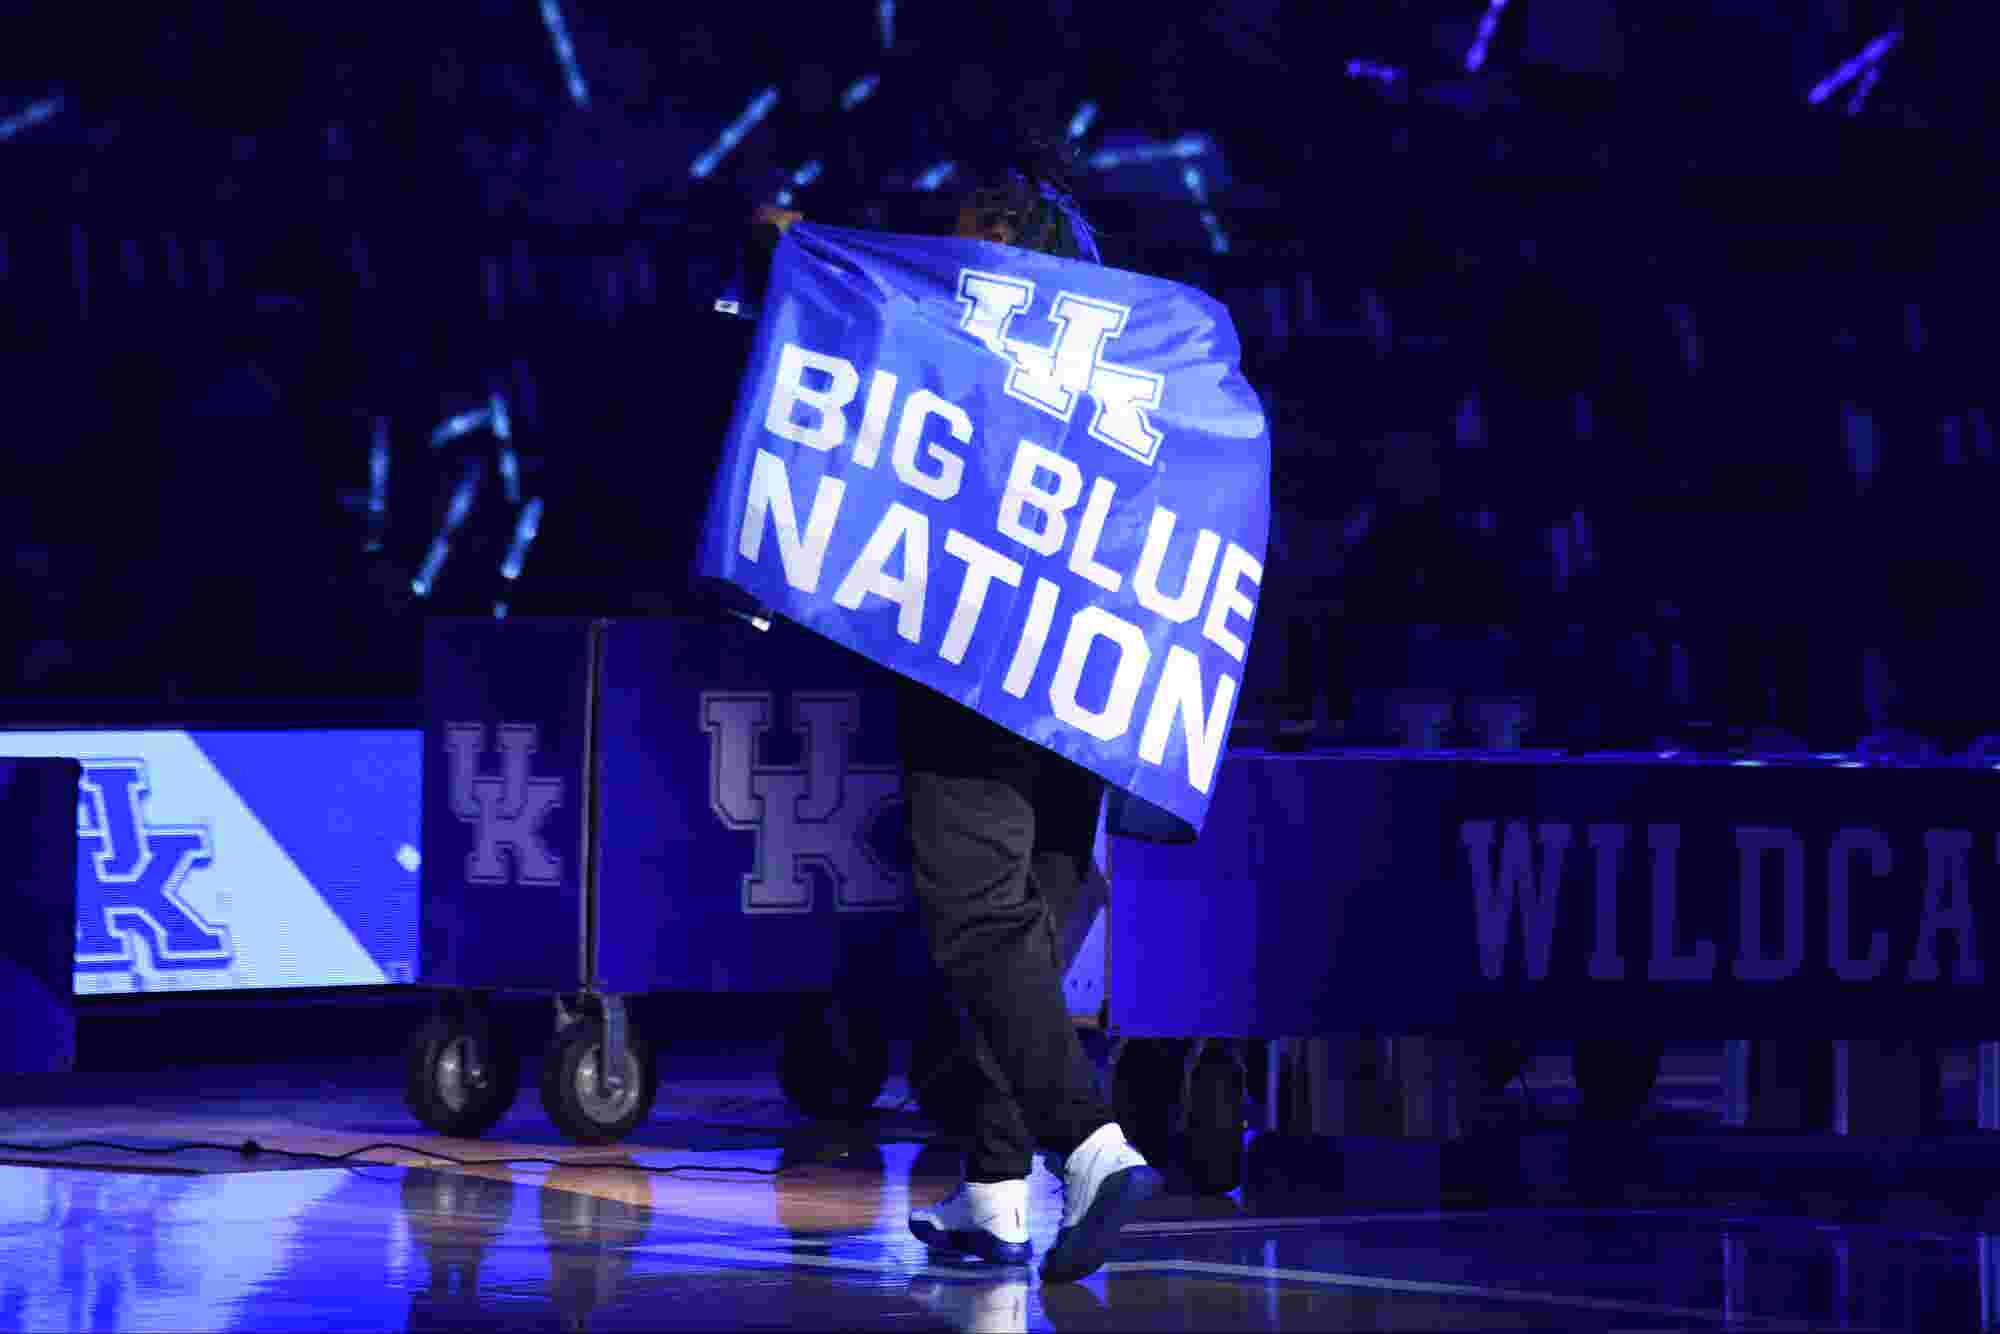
<point x="460" y="1077"/>
<point x="1215" y="1126"/>
<point x="581" y="1110"/>
<point x="834" y="1062"/>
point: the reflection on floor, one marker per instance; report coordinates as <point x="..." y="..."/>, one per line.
<point x="823" y="1246"/>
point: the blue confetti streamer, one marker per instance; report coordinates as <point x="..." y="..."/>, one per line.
<point x="759" y="107"/>
<point x="552" y="16"/>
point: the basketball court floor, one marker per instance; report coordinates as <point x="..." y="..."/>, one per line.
<point x="767" y="1223"/>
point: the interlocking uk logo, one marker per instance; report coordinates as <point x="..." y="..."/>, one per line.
<point x="823" y="818"/>
<point x="506" y="812"/>
<point x="139" y="872"/>
<point x="1054" y="379"/>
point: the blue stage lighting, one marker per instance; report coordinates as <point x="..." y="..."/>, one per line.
<point x="936" y="176"/>
<point x="760" y="107"/>
<point x="1475" y="58"/>
<point x="433" y="562"/>
<point x="1862" y="89"/>
<point x="378" y="468"/>
<point x="552" y="16"/>
<point x="510" y="462"/>
<point x="1080" y="123"/>
<point x="1218" y="241"/>
<point x="1186" y="147"/>
<point x="1866" y="60"/>
<point x="500" y="611"/>
<point x="525" y="529"/>
<point x="859" y="91"/>
<point x="1684" y="329"/>
<point x="885" y="22"/>
<point x="465" y="423"/>
<point x="378" y="485"/>
<point x="29" y="116"/>
<point x="1369" y="69"/>
<point x="805" y="175"/>
<point x="510" y="474"/>
<point x="462" y="498"/>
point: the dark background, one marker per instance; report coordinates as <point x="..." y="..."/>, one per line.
<point x="249" y="232"/>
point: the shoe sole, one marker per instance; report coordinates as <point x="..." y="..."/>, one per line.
<point x="1081" y="1251"/>
<point x="982" y="1244"/>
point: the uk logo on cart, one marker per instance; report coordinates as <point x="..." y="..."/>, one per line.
<point x="824" y="818"/>
<point x="507" y="810"/>
<point x="136" y="874"/>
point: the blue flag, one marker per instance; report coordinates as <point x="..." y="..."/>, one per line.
<point x="1038" y="486"/>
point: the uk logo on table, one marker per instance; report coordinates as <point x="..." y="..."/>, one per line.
<point x="824" y="818"/>
<point x="1038" y="486"/>
<point x="507" y="810"/>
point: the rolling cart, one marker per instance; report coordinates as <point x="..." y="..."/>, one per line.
<point x="619" y="807"/>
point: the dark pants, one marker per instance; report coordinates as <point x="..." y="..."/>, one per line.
<point x="1002" y="834"/>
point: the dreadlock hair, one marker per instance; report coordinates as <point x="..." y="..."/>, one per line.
<point x="1008" y="188"/>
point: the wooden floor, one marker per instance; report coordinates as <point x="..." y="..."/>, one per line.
<point x="814" y="1236"/>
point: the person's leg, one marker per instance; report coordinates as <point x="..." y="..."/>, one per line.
<point x="992" y="936"/>
<point x="971" y="789"/>
<point x="998" y="1144"/>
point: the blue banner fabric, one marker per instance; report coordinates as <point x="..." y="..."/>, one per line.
<point x="1343" y="894"/>
<point x="1038" y="486"/>
<point x="38" y="855"/>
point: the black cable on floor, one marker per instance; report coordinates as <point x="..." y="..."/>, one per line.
<point x="250" y="1148"/>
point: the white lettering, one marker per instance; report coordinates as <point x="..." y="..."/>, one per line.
<point x="943" y="484"/>
<point x="1178" y="696"/>
<point x="908" y="529"/>
<point x="1089" y="532"/>
<point x="771" y="494"/>
<point x="1134" y="655"/>
<point x="1230" y="600"/>
<point x="1029" y="461"/>
<point x="875" y="419"/>
<point x="982" y="566"/>
<point x="1034" y="637"/>
<point x="1183" y="606"/>
<point x="830" y="402"/>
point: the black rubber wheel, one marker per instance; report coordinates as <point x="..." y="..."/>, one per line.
<point x="460" y="1075"/>
<point x="1215" y="1125"/>
<point x="835" y="1061"/>
<point x="570" y="1093"/>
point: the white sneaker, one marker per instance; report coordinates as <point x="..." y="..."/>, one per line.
<point x="1104" y="1183"/>
<point x="987" y="1219"/>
